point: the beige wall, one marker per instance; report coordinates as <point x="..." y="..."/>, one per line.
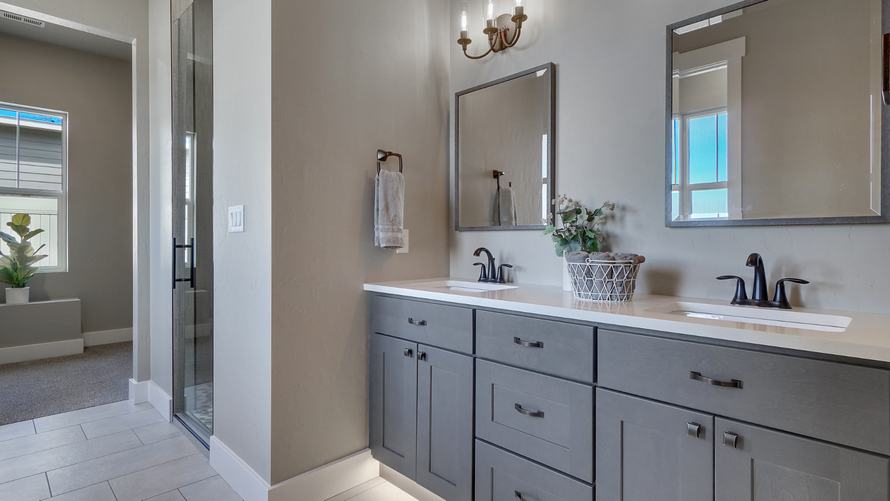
<point x="348" y="77"/>
<point x="96" y="93"/>
<point x="610" y="145"/>
<point x="805" y="106"/>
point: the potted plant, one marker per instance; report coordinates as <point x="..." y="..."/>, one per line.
<point x="16" y="267"/>
<point x="577" y="230"/>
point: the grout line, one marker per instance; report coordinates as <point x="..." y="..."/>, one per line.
<point x="34" y="427"/>
<point x="110" y="453"/>
<point x="131" y="411"/>
<point x="112" y="490"/>
<point x="48" y="486"/>
<point x="150" y="467"/>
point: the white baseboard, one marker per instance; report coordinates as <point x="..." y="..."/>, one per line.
<point x="43" y="350"/>
<point x="159" y="399"/>
<point x="319" y="484"/>
<point x="138" y="391"/>
<point x="107" y="337"/>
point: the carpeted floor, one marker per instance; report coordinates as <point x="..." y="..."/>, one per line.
<point x="45" y="387"/>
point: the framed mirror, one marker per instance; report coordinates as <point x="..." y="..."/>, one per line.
<point x="504" y="152"/>
<point x="775" y="115"/>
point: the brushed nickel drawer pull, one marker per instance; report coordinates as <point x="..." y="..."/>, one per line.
<point x="528" y="344"/>
<point x="693" y="430"/>
<point x="518" y="495"/>
<point x="528" y="413"/>
<point x="417" y="322"/>
<point x="733" y="383"/>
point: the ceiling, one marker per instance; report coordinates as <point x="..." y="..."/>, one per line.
<point x="69" y="38"/>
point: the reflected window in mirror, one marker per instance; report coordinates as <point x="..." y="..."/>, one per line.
<point x="775" y="114"/>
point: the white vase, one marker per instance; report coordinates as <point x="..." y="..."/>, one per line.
<point x="566" y="279"/>
<point x="17" y="295"/>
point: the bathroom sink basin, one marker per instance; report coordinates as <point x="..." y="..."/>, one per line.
<point x="758" y="316"/>
<point x="462" y="286"/>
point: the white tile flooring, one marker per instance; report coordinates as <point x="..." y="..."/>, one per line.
<point x="121" y="452"/>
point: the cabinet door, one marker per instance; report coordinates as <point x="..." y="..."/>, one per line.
<point x="766" y="465"/>
<point x="445" y="423"/>
<point x="393" y="405"/>
<point x="647" y="450"/>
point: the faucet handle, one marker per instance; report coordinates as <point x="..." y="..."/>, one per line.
<point x="500" y="277"/>
<point x="779" y="297"/>
<point x="483" y="276"/>
<point x="740" y="293"/>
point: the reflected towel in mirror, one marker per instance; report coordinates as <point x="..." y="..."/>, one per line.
<point x="504" y="211"/>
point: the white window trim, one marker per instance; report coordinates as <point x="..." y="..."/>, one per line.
<point x="61" y="196"/>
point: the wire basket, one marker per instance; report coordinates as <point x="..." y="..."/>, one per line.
<point x="603" y="280"/>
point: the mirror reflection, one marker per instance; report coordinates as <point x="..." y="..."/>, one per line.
<point x="776" y="114"/>
<point x="504" y="152"/>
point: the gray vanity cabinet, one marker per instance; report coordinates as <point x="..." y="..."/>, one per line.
<point x="421" y="396"/>
<point x="647" y="450"/>
<point x="393" y="403"/>
<point x="765" y="465"/>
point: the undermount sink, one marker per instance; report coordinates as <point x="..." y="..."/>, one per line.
<point x="462" y="286"/>
<point x="759" y="316"/>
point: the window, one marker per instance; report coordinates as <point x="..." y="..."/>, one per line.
<point x="699" y="172"/>
<point x="34" y="176"/>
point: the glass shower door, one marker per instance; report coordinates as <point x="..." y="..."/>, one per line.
<point x="192" y="216"/>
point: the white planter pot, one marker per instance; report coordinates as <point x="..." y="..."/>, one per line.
<point x="18" y="296"/>
<point x="566" y="279"/>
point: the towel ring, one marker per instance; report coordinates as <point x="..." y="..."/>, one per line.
<point x="383" y="155"/>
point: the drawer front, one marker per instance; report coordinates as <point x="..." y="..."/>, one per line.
<point x="501" y="476"/>
<point x="558" y="348"/>
<point x="832" y="401"/>
<point x="448" y="327"/>
<point x="547" y="419"/>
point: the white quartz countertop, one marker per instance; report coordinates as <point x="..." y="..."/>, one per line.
<point x="866" y="337"/>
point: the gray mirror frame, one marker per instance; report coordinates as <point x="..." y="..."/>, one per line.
<point x="551" y="147"/>
<point x="884" y="217"/>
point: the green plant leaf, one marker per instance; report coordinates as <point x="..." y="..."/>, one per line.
<point x="32" y="234"/>
<point x="20" y="230"/>
<point x="6" y="237"/>
<point x="21" y="220"/>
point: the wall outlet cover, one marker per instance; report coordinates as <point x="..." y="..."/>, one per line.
<point x="404" y="250"/>
<point x="236" y="219"/>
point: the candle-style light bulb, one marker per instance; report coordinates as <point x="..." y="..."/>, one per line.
<point x="464" y="20"/>
<point x="518" y="8"/>
<point x="489" y="18"/>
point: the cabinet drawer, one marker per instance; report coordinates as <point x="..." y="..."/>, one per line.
<point x="832" y="401"/>
<point x="547" y="419"/>
<point x="503" y="476"/>
<point x="549" y="346"/>
<point x="448" y="327"/>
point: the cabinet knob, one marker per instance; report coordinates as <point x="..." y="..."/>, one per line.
<point x="518" y="495"/>
<point x="730" y="440"/>
<point x="421" y="355"/>
<point x="693" y="430"/>
<point x="408" y="352"/>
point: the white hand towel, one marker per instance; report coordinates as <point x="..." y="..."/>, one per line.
<point x="504" y="212"/>
<point x="389" y="209"/>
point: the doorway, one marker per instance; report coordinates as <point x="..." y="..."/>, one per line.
<point x="192" y="43"/>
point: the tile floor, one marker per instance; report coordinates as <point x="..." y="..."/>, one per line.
<point x="121" y="452"/>
<point x="113" y="452"/>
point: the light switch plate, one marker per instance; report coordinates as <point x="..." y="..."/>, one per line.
<point x="404" y="250"/>
<point x="236" y="219"/>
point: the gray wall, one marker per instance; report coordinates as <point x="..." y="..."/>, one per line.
<point x="610" y="145"/>
<point x="96" y="93"/>
<point x="348" y="77"/>
<point x="242" y="66"/>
